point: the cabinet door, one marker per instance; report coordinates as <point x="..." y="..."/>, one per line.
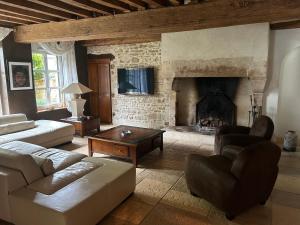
<point x="105" y="105"/>
<point x="93" y="84"/>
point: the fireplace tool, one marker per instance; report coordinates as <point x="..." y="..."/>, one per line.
<point x="255" y="111"/>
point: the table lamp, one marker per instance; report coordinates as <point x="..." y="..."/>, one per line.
<point x="76" y="103"/>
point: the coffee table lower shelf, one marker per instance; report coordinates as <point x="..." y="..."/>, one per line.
<point x="124" y="150"/>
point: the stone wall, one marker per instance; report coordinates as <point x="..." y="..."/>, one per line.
<point x="145" y="111"/>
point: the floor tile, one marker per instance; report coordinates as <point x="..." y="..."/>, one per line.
<point x="187" y="202"/>
<point x="257" y="215"/>
<point x="286" y="198"/>
<point x="165" y="175"/>
<point x="288" y="184"/>
<point x="114" y="221"/>
<point x="168" y="215"/>
<point x="150" y="191"/>
<point x="132" y="211"/>
<point x="181" y="185"/>
<point x="283" y="215"/>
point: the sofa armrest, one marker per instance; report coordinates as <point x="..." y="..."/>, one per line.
<point x="10" y="180"/>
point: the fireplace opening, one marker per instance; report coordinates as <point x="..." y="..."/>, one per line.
<point x="205" y="103"/>
<point x="216" y="107"/>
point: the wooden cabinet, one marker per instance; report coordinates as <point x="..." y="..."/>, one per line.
<point x="100" y="83"/>
<point x="85" y="126"/>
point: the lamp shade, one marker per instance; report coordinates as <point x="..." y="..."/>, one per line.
<point x="76" y="88"/>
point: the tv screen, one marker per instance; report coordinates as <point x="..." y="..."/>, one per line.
<point x="136" y="81"/>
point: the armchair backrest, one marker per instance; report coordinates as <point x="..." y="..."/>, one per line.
<point x="263" y="126"/>
<point x="256" y="160"/>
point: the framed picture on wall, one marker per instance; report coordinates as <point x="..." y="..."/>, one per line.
<point x="20" y="75"/>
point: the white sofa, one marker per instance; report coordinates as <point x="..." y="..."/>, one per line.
<point x="45" y="133"/>
<point x="40" y="186"/>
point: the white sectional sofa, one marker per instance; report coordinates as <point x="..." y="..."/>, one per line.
<point x="40" y="186"/>
<point x="45" y="133"/>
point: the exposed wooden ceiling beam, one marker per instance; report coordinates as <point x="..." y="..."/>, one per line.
<point x="156" y="3"/>
<point x="91" y="6"/>
<point x="116" y="4"/>
<point x="12" y="20"/>
<point x="37" y="8"/>
<point x="118" y="41"/>
<point x="64" y="7"/>
<point x="210" y="14"/>
<point x="139" y="4"/>
<point x="285" y="25"/>
<point x="21" y="17"/>
<point x="175" y="2"/>
<point x="7" y="25"/>
<point x="23" y="12"/>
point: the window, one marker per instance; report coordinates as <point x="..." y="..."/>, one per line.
<point x="46" y="79"/>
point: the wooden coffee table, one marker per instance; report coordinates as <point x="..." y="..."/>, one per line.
<point x="132" y="147"/>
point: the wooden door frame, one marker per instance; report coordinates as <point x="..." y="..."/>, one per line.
<point x="103" y="60"/>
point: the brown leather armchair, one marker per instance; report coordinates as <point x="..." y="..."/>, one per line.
<point x="261" y="130"/>
<point x="236" y="180"/>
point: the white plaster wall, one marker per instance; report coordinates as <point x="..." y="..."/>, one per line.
<point x="242" y="101"/>
<point x="282" y="44"/>
<point x="227" y="42"/>
<point x="289" y="92"/>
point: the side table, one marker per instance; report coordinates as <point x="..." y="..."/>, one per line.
<point x="83" y="126"/>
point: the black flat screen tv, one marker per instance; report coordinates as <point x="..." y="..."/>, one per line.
<point x="136" y="81"/>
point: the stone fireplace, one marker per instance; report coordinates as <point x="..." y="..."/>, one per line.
<point x="211" y="101"/>
<point x="238" y="53"/>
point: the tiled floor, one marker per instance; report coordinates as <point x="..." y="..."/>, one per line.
<point x="162" y="198"/>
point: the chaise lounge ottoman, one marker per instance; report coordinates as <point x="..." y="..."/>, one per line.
<point x="80" y="190"/>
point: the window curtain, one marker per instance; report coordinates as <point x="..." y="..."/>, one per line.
<point x="67" y="52"/>
<point x="68" y="70"/>
<point x="3" y="88"/>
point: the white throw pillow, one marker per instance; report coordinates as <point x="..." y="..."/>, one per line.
<point x="12" y="118"/>
<point x="15" y="127"/>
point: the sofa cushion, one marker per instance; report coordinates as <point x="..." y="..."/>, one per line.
<point x="45" y="164"/>
<point x="13" y="118"/>
<point x="16" y="127"/>
<point x="60" y="179"/>
<point x="60" y="158"/>
<point x="21" y="162"/>
<point x="21" y="147"/>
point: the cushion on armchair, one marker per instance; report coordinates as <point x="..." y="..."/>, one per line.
<point x="261" y="130"/>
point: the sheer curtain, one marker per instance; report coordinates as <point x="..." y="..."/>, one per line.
<point x="68" y="69"/>
<point x="3" y="88"/>
<point x="67" y="52"/>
